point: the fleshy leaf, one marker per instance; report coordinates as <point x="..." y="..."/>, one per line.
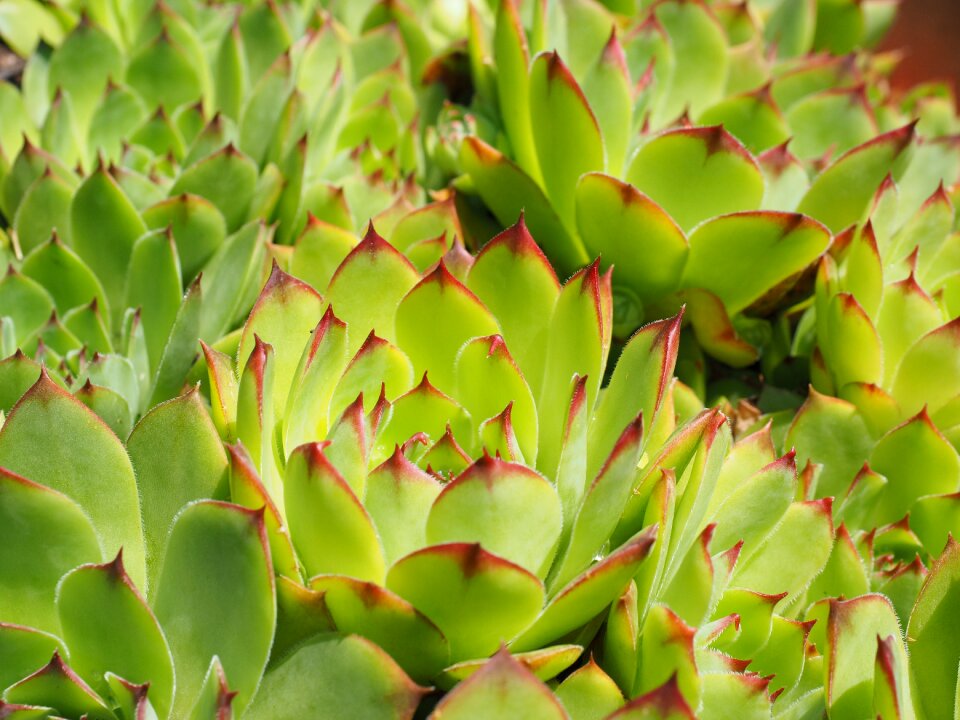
<point x="588" y="693"/>
<point x="57" y="684"/>
<point x="32" y="559"/>
<point x="83" y="459"/>
<point x="477" y="599"/>
<point x="196" y="575"/>
<point x="330" y="527"/>
<point x="22" y="651"/>
<point x="489" y="503"/>
<point x="396" y="626"/>
<point x="108" y="626"/>
<point x="348" y="673"/>
<point x="697" y="173"/>
<point x="503" y="687"/>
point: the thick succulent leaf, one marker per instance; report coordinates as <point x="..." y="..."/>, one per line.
<point x="834" y="120"/>
<point x="153" y="285"/>
<point x="180" y="353"/>
<point x="319" y="251"/>
<point x="783" y="655"/>
<point x="697" y="173"/>
<point x="793" y="553"/>
<point x="322" y="362"/>
<point x="907" y="314"/>
<point x="349" y="674"/>
<point x="83" y="459"/>
<point x="45" y="209"/>
<point x="513" y="260"/>
<point x="627" y="230"/>
<point x="435" y="319"/>
<point x="283" y="316"/>
<point x="714" y="330"/>
<point x="841" y="194"/>
<point x="24" y="650"/>
<point x="105" y="247"/>
<point x="398" y="497"/>
<point x="204" y="593"/>
<point x="745" y="692"/>
<point x="477" y="599"/>
<point x="512" y="60"/>
<point x="488" y="380"/>
<point x="621" y="637"/>
<point x="348" y="447"/>
<point x="932" y="635"/>
<point x="502" y="688"/>
<point x="26" y="303"/>
<point x="545" y="664"/>
<point x="576" y="347"/>
<point x="368" y="286"/>
<point x="781" y="245"/>
<point x="65" y="276"/>
<point x="108" y="627"/>
<point x="330" y="527"/>
<point x="559" y="111"/>
<point x="916" y="460"/>
<point x="662" y="703"/>
<point x="196" y="225"/>
<point x="227" y="178"/>
<point x="854" y="628"/>
<point x="844" y="574"/>
<point x="753" y="118"/>
<point x="32" y="559"/>
<point x="637" y="386"/>
<point x="586" y="595"/>
<point x="387" y="619"/>
<point x="589" y="693"/>
<point x="377" y="365"/>
<point x="602" y="504"/>
<point x="302" y="613"/>
<point x="177" y="457"/>
<point x="489" y="503"/>
<point x="507" y="190"/>
<point x="255" y="413"/>
<point x="215" y="699"/>
<point x="927" y="373"/>
<point x="57" y="684"/>
<point x="830" y="432"/>
<point x="667" y="654"/>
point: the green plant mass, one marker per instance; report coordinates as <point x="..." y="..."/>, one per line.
<point x="476" y="360"/>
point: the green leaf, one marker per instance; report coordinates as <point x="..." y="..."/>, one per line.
<point x="57" y="684"/>
<point x="319" y="251"/>
<point x="627" y="229"/>
<point x="164" y="73"/>
<point x="331" y="529"/>
<point x="513" y="260"/>
<point x="932" y="636"/>
<point x="489" y="503"/>
<point x="256" y="420"/>
<point x="230" y="73"/>
<point x="435" y="319"/>
<point x="507" y="190"/>
<point x="502" y="688"/>
<point x="377" y="366"/>
<point x="853" y="630"/>
<point x="830" y="432"/>
<point x="697" y="173"/>
<point x="390" y="621"/>
<point x="753" y="118"/>
<point x="398" y="498"/>
<point x="368" y="286"/>
<point x="64" y="275"/>
<point x="180" y="352"/>
<point x="835" y="120"/>
<point x="771" y="248"/>
<point x="22" y="651"/>
<point x="108" y="627"/>
<point x="283" y="316"/>
<point x="577" y="344"/>
<point x="927" y="373"/>
<point x="511" y="57"/>
<point x="33" y="560"/>
<point x="196" y="225"/>
<point x="916" y="460"/>
<point x="587" y="595"/>
<point x="665" y="702"/>
<point x="349" y="674"/>
<point x="106" y="247"/>
<point x="588" y="693"/>
<point x="477" y="599"/>
<point x="227" y="178"/>
<point x="153" y="285"/>
<point x="109" y="405"/>
<point x="26" y="302"/>
<point x="558" y="112"/>
<point x="45" y="209"/>
<point x="178" y="457"/>
<point x="841" y="194"/>
<point x="205" y="590"/>
<point x="81" y="459"/>
<point x="215" y="698"/>
<point x="667" y="657"/>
